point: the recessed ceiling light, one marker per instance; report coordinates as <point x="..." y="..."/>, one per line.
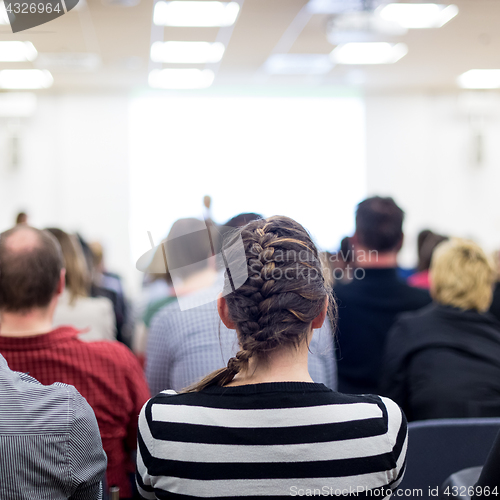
<point x="181" y="78"/>
<point x="187" y="52"/>
<point x="480" y="79"/>
<point x="418" y="15"/>
<point x="17" y="51"/>
<point x="195" y="13"/>
<point x="25" y="79"/>
<point x="368" y="53"/>
<point x="298" y="64"/>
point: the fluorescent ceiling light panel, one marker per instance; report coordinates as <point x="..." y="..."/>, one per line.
<point x="418" y="15"/>
<point x="480" y="79"/>
<point x="181" y="78"/>
<point x="25" y="79"/>
<point x="298" y="64"/>
<point x="187" y="52"/>
<point x="17" y="51"/>
<point x="195" y="13"/>
<point x="368" y="53"/>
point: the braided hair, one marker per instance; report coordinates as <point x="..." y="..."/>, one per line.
<point x="284" y="292"/>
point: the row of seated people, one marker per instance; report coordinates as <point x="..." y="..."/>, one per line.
<point x="183" y="346"/>
<point x="438" y="362"/>
<point x="94" y="300"/>
<point x="189" y="438"/>
<point x="107" y="374"/>
<point x="436" y="354"/>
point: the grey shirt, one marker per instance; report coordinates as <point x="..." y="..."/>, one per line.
<point x="50" y="446"/>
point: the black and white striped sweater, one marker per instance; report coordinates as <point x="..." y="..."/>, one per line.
<point x="272" y="440"/>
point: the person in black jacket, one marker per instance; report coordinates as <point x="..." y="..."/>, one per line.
<point x="369" y="304"/>
<point x="444" y="361"/>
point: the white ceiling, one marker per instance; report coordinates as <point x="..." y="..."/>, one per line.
<point x="121" y="37"/>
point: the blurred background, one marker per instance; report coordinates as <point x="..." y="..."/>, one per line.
<point x="118" y="117"/>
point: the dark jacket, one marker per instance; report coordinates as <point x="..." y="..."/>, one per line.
<point x="495" y="303"/>
<point x="443" y="362"/>
<point x="367" y="309"/>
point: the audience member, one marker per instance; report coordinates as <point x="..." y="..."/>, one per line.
<point x="163" y="295"/>
<point x="106" y="373"/>
<point x="370" y="303"/>
<point x="94" y="316"/>
<point x="426" y="246"/>
<point x="22" y="218"/>
<point x="444" y="360"/>
<point x="157" y="292"/>
<point x="185" y="345"/>
<point x="260" y="427"/>
<point x="49" y="441"/>
<point x="341" y="263"/>
<point x="187" y="250"/>
<point x="107" y="284"/>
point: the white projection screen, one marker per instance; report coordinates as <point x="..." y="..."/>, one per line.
<point x="303" y="157"/>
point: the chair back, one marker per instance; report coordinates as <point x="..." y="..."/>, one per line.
<point x="438" y="448"/>
<point x="461" y="484"/>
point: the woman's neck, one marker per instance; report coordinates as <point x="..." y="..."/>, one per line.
<point x="285" y="365"/>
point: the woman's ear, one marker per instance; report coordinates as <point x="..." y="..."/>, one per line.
<point x="224" y="313"/>
<point x="318" y="321"/>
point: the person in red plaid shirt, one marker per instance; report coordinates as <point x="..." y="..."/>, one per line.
<point x="107" y="374"/>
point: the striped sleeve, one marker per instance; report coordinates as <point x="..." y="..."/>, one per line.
<point x="397" y="434"/>
<point x="87" y="460"/>
<point x="144" y="454"/>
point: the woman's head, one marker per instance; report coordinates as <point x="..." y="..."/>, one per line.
<point x="461" y="275"/>
<point x="284" y="293"/>
<point x="77" y="272"/>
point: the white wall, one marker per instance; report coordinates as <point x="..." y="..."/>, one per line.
<point x="74" y="172"/>
<point x="420" y="150"/>
<point x="294" y="156"/>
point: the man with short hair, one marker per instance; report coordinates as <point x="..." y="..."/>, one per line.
<point x="369" y="304"/>
<point x="107" y="374"/>
<point x="49" y="441"/>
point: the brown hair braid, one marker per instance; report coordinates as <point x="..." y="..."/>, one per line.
<point x="284" y="292"/>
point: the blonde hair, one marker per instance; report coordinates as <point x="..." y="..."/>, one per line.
<point x="77" y="272"/>
<point x="461" y="275"/>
